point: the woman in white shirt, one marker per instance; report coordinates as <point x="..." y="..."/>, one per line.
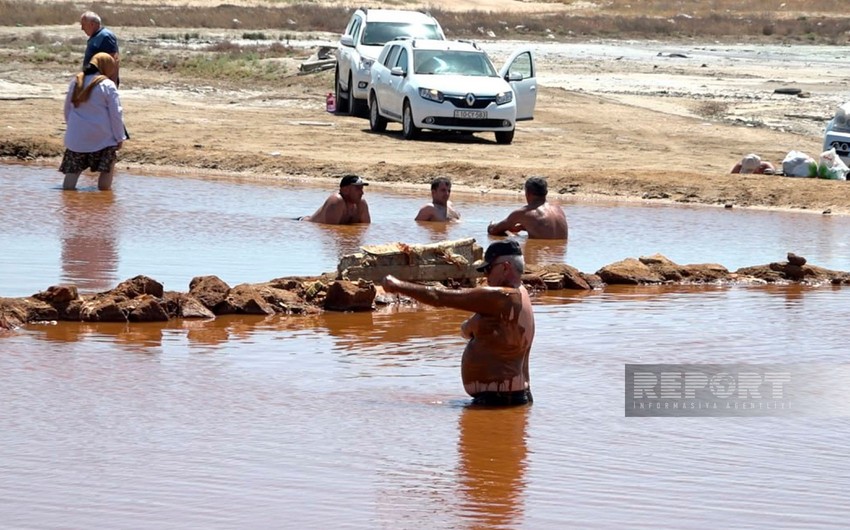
<point x="95" y="123"/>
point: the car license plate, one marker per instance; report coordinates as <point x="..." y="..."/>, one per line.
<point x="471" y="114"/>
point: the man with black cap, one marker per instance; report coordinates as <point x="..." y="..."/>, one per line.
<point x="494" y="366"/>
<point x="344" y="207"/>
<point x="541" y="219"/>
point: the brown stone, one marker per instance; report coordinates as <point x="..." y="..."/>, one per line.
<point x="58" y="294"/>
<point x="344" y="295"/>
<point x="553" y="281"/>
<point x="71" y="310"/>
<point x="146" y="308"/>
<point x="172" y="300"/>
<point x="191" y="307"/>
<point x="138" y="286"/>
<point x="288" y="284"/>
<point x="571" y="277"/>
<point x="282" y="300"/>
<point x="794" y="259"/>
<point x="533" y="281"/>
<point x="209" y="290"/>
<point x="245" y="299"/>
<point x="629" y="271"/>
<point x="103" y="309"/>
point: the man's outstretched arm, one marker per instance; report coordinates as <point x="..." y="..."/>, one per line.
<point x="482" y="300"/>
<point x="511" y="223"/>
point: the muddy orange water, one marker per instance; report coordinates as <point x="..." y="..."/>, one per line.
<point x="360" y="420"/>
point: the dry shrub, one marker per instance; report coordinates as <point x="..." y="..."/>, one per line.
<point x="712" y="109"/>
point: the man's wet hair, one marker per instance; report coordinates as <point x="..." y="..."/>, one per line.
<point x="537" y="186"/>
<point x="439" y="180"/>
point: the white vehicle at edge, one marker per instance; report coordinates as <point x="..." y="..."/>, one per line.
<point x="838" y="133"/>
<point x="364" y="37"/>
<point x="452" y="86"/>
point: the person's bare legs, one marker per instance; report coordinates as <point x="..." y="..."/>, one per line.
<point x="71" y="181"/>
<point x="104" y="182"/>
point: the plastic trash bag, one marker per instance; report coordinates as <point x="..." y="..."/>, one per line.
<point x="797" y="164"/>
<point x="831" y="166"/>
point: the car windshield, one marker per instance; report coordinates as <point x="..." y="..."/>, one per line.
<point x="455" y="62"/>
<point x="379" y="33"/>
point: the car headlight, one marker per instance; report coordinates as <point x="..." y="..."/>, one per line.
<point x="504" y="97"/>
<point x="366" y="64"/>
<point x="431" y="94"/>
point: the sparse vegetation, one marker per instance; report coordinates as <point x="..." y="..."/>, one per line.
<point x="255" y="36"/>
<point x="712" y="109"/>
<point x="780" y="20"/>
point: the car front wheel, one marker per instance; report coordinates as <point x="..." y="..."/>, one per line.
<point x="352" y="108"/>
<point x="342" y="102"/>
<point x="376" y="122"/>
<point x="408" y="129"/>
<point x="505" y="137"/>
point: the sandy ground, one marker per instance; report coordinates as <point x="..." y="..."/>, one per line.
<point x="604" y="126"/>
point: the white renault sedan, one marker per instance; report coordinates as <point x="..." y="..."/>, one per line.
<point x="450" y="86"/>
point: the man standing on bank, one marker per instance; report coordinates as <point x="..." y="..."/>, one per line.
<point x="494" y="366"/>
<point x="101" y="40"/>
<point x="344" y="207"/>
<point x="440" y="209"/>
<point x="541" y="219"/>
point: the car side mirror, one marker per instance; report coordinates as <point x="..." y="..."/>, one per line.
<point x="347" y="40"/>
<point x="397" y="70"/>
<point x="514" y="76"/>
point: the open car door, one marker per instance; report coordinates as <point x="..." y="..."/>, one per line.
<point x="520" y="67"/>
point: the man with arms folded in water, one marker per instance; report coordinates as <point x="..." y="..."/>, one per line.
<point x="344" y="207"/>
<point x="440" y="209"/>
<point x="541" y="219"/>
<point x="494" y="366"/>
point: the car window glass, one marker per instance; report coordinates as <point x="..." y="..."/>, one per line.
<point x="442" y="62"/>
<point x="355" y="30"/>
<point x="402" y="60"/>
<point x="391" y="57"/>
<point x="522" y="65"/>
<point x="380" y="33"/>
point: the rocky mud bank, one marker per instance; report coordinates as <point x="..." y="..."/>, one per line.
<point x="143" y="299"/>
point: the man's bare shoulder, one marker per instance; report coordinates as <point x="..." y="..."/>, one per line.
<point x="426" y="213"/>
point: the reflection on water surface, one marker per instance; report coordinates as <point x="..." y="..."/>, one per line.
<point x="359" y="420"/>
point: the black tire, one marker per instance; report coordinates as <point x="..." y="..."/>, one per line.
<point x="359" y="107"/>
<point x="408" y="129"/>
<point x="505" y="137"/>
<point x="353" y="107"/>
<point x="340" y="95"/>
<point x="377" y="123"/>
<point x="790" y="91"/>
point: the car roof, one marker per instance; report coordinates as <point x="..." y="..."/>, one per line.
<point x="398" y="15"/>
<point x="454" y="45"/>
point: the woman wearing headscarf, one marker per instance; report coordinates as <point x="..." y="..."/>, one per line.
<point x="95" y="123"/>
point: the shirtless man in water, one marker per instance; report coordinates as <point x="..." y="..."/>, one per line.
<point x="541" y="219"/>
<point x="494" y="366"/>
<point x="345" y="207"/>
<point x="440" y="209"/>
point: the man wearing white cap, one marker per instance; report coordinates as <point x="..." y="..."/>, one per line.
<point x="344" y="207"/>
<point x="753" y="164"/>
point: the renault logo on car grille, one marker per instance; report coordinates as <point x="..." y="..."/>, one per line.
<point x="470" y="99"/>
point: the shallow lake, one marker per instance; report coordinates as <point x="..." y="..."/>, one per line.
<point x="360" y="420"/>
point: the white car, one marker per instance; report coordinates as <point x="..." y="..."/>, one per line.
<point x="451" y="86"/>
<point x="838" y="133"/>
<point x="365" y="35"/>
